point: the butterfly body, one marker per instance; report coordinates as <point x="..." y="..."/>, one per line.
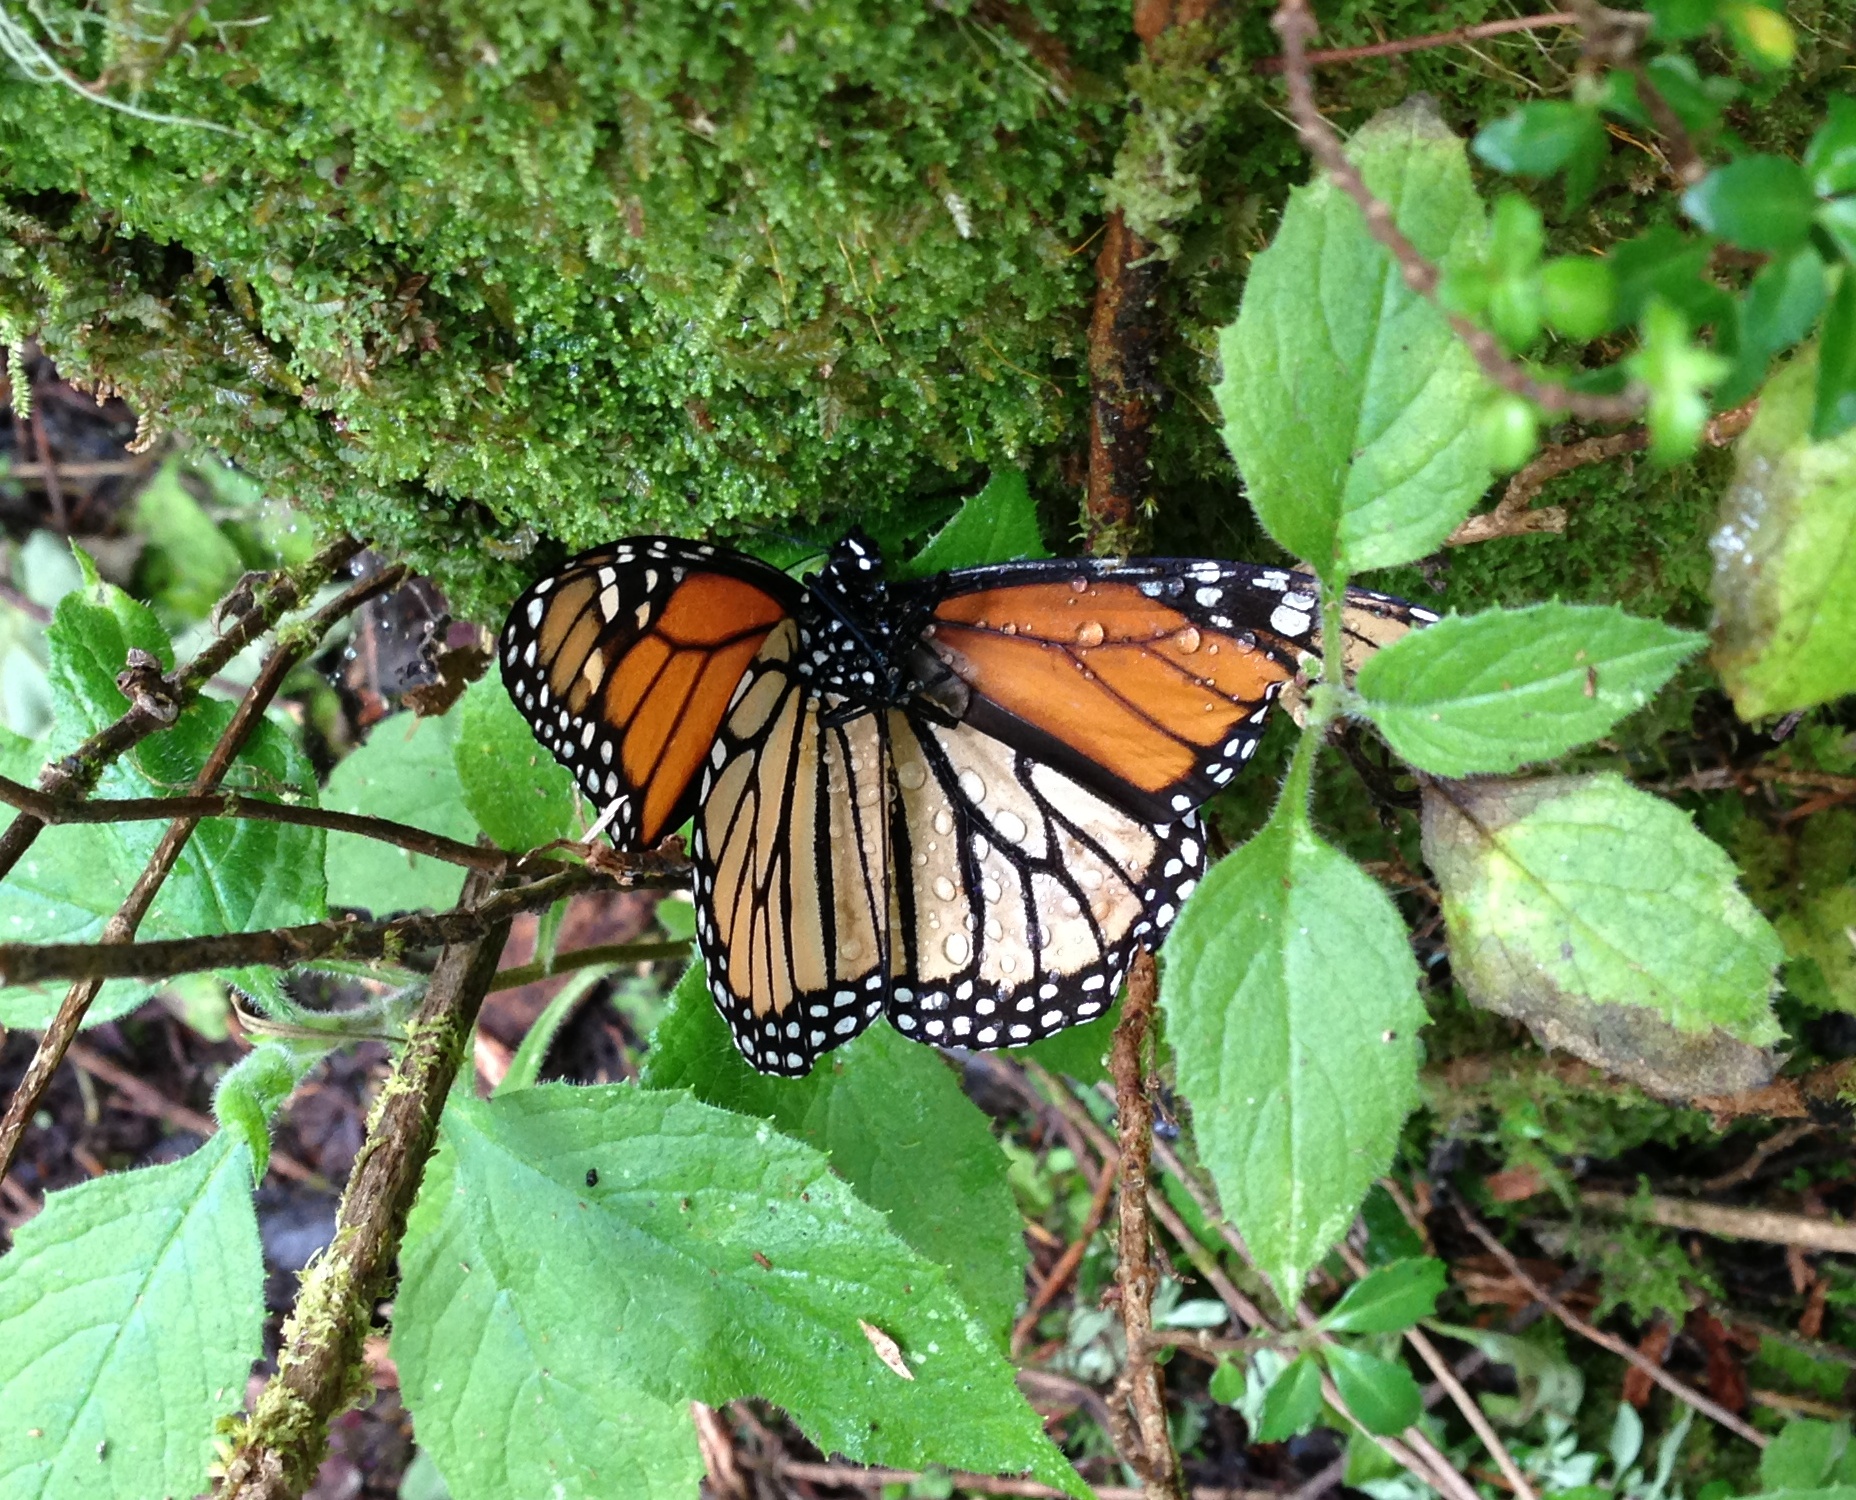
<point x="959" y="801"/>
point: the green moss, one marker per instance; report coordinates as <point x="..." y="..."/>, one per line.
<point x="467" y="275"/>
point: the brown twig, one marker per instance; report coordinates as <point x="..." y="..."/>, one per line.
<point x="1155" y="1462"/>
<point x="249" y="806"/>
<point x="1514" y="514"/>
<point x="54" y="489"/>
<point x="1455" y="37"/>
<point x="1453" y="1388"/>
<point x="1764" y="1224"/>
<point x="586" y="958"/>
<point x="1779" y="1141"/>
<point x="982" y="1484"/>
<point x="1605" y="1340"/>
<point x="1295" y="24"/>
<point x="285" y="947"/>
<point x="76" y="774"/>
<point x="1066" y="1265"/>
<point x="1124" y="394"/>
<point x="120" y="929"/>
<point x="278" y="1452"/>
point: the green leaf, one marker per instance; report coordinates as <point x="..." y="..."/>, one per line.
<point x="1600" y="917"/>
<point x="1826" y="1492"/>
<point x="1578" y="295"/>
<point x="406" y="771"/>
<point x="1539" y="138"/>
<point x="1079" y="1052"/>
<point x="1834" y="413"/>
<point x="1344" y="391"/>
<point x="1663" y="262"/>
<point x="1837" y="219"/>
<point x="1779" y="309"/>
<point x="190" y="562"/>
<point x="1760" y="33"/>
<point x="516" y="791"/>
<point x="1758" y="202"/>
<point x="255" y="1087"/>
<point x="1492" y="691"/>
<point x="1292" y="1004"/>
<point x="1785" y="557"/>
<point x="1226" y="1386"/>
<point x="1803" y="1454"/>
<point x="1677" y="370"/>
<point x="1390" y="1299"/>
<point x="1292" y="1402"/>
<point x="1381" y="1394"/>
<point x="891" y="1115"/>
<point x="133" y="1308"/>
<point x="1545" y="1379"/>
<point x="690" y="1253"/>
<point x="1830" y="159"/>
<point x="998" y="524"/>
<point x="234" y="875"/>
<point x="525" y="1066"/>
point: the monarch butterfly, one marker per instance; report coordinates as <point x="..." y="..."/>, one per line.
<point x="962" y="801"/>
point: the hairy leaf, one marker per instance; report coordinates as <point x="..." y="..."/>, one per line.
<point x="516" y="791"/>
<point x="133" y="1308"/>
<point x="1785" y="558"/>
<point x="892" y="1117"/>
<point x="1600" y="917"/>
<point x="690" y="1253"/>
<point x="406" y="771"/>
<point x="1291" y="1000"/>
<point x="1381" y="1394"/>
<point x="1344" y="392"/>
<point x="1492" y="691"/>
<point x="1292" y="1402"/>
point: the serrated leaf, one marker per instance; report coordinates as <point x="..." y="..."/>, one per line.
<point x="1292" y="1004"/>
<point x="1785" y="558"/>
<point x="690" y="1253"/>
<point x="1493" y="691"/>
<point x="1079" y="1052"/>
<point x="891" y="1116"/>
<point x="1390" y="1299"/>
<point x="525" y="1066"/>
<point x="255" y="1087"/>
<point x="1292" y="1402"/>
<point x="133" y="1307"/>
<point x="1598" y="915"/>
<point x="517" y="793"/>
<point x="1344" y="391"/>
<point x="406" y="771"/>
<point x="234" y="875"/>
<point x="190" y="563"/>
<point x="998" y="524"/>
<point x="1381" y="1394"/>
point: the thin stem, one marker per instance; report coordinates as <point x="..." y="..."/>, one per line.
<point x="1156" y="1462"/>
<point x="1605" y="1340"/>
<point x="587" y="958"/>
<point x="1296" y="26"/>
<point x="1455" y="37"/>
<point x="251" y="807"/>
<point x="277" y="1454"/>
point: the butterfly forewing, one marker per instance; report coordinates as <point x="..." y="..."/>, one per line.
<point x="625" y="663"/>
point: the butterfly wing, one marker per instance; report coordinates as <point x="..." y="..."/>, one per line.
<point x="1022" y="892"/>
<point x="624" y="664"/>
<point x="794" y="897"/>
<point x="1148" y="681"/>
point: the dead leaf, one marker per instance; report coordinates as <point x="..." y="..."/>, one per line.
<point x="886" y="1349"/>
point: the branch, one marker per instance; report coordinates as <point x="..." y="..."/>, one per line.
<point x="1296" y="26"/>
<point x="55" y="810"/>
<point x="276" y="1456"/>
<point x="1124" y="340"/>
<point x="1455" y="37"/>
<point x="120" y="928"/>
<point x="1605" y="1340"/>
<point x="1513" y="515"/>
<point x="587" y="958"/>
<point x="1730" y="1223"/>
<point x="1067" y="1263"/>
<point x="76" y="774"/>
<point x="285" y="947"/>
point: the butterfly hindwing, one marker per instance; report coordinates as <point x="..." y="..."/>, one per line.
<point x="624" y="664"/>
